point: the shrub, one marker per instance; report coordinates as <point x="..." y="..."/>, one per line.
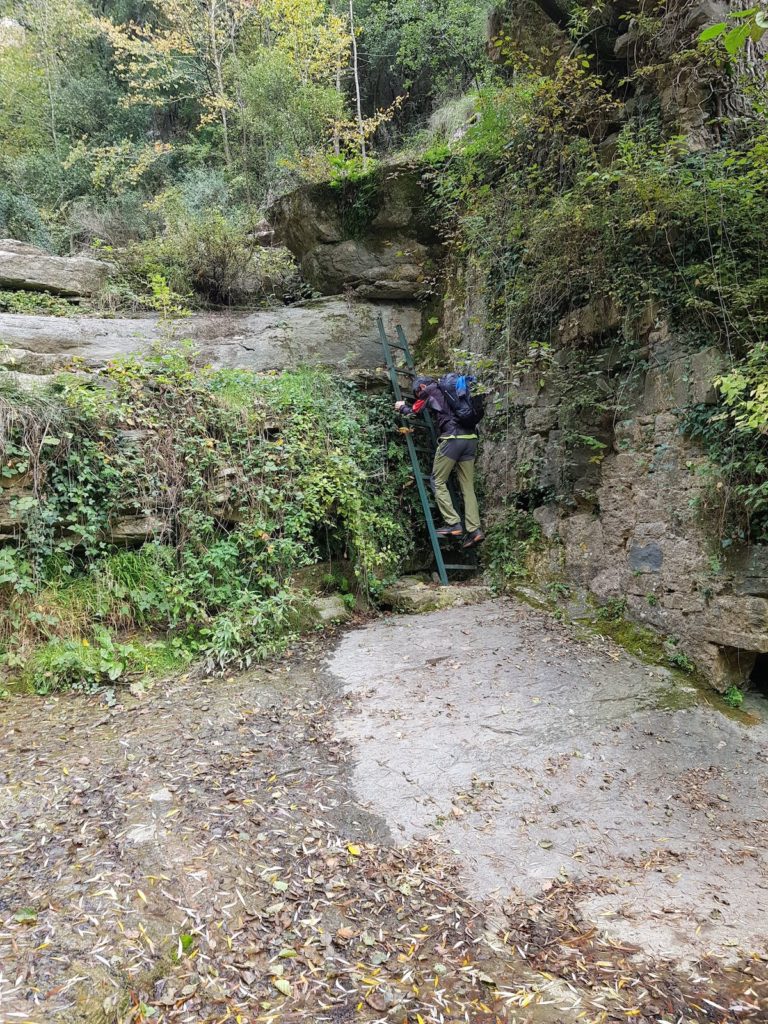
<point x="508" y="546"/>
<point x="733" y="433"/>
<point x="20" y="218"/>
<point x="249" y="479"/>
<point x="112" y="220"/>
<point x="36" y="303"/>
<point x="208" y="253"/>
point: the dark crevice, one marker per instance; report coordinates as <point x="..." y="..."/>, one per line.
<point x="758" y="677"/>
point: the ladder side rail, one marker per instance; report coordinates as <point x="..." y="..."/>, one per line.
<point x="434" y="539"/>
<point x="412" y="372"/>
<point x="415" y="464"/>
<point x="391" y="368"/>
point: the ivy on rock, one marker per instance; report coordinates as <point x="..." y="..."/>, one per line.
<point x="234" y="482"/>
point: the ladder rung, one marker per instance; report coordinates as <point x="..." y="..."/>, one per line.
<point x="462" y="568"/>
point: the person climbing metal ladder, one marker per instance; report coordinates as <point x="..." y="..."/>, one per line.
<point x="457" y="450"/>
<point x="454" y="449"/>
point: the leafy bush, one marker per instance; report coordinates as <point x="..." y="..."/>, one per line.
<point x="508" y="546"/>
<point x="111" y="220"/>
<point x="733" y="697"/>
<point x="36" y="303"/>
<point x="733" y="433"/>
<point x="287" y="118"/>
<point x="206" y="252"/>
<point x="247" y="479"/>
<point x="84" y="665"/>
<point x="20" y="218"/>
<point x="551" y="222"/>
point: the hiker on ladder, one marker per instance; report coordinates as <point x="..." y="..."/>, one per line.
<point x="457" y="413"/>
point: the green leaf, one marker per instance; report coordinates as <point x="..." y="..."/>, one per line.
<point x="739" y="15"/>
<point x="761" y="19"/>
<point x="713" y="32"/>
<point x="736" y="39"/>
<point x="27" y="915"/>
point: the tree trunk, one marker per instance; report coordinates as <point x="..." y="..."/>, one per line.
<point x="360" y="128"/>
<point x="216" y="56"/>
<point x="336" y="139"/>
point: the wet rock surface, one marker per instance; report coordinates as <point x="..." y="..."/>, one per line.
<point x="473" y="817"/>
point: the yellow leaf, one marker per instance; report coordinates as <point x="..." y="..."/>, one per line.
<point x="354" y="850"/>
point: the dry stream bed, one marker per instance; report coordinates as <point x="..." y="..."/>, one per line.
<point x="471" y="815"/>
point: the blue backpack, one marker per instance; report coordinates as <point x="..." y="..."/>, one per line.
<point x="468" y="409"/>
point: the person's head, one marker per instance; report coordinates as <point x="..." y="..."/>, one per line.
<point x="420" y="385"/>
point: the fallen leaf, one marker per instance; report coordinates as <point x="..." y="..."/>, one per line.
<point x="27" y="915"/>
<point x="282" y="985"/>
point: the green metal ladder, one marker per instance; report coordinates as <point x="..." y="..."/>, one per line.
<point x="425" y="421"/>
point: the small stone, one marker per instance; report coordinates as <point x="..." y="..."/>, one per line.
<point x="161" y="796"/>
<point x="141" y="834"/>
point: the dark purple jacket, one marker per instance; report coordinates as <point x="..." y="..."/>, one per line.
<point x="438" y="405"/>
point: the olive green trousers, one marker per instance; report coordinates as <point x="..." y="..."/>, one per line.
<point x="456" y="453"/>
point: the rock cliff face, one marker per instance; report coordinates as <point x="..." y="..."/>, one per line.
<point x="624" y="36"/>
<point x="331" y="332"/>
<point x="621" y="501"/>
<point x="371" y="238"/>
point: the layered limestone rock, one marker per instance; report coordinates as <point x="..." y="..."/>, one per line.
<point x="26" y="267"/>
<point x="372" y="238"/>
<point x="627" y="521"/>
<point x="332" y="332"/>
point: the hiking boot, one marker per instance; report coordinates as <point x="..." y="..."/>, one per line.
<point x="476" y="537"/>
<point x="450" y="530"/>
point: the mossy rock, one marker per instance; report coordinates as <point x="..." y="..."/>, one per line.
<point x="412" y="595"/>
